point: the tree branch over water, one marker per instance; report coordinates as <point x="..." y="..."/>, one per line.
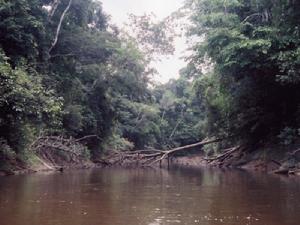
<point x="152" y="156"/>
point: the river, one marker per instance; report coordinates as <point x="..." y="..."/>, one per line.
<point x="149" y="197"/>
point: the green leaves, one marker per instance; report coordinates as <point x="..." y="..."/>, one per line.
<point x="24" y="94"/>
<point x="254" y="46"/>
<point x="289" y="64"/>
<point x="22" y="27"/>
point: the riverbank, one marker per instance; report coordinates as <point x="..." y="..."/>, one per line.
<point x="268" y="159"/>
<point x="37" y="164"/>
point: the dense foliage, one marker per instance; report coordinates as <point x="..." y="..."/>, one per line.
<point x="66" y="74"/>
<point x="65" y="70"/>
<point x="252" y="91"/>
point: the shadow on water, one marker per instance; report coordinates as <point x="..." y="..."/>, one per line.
<point x="150" y="197"/>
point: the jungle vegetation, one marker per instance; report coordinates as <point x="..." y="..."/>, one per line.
<point x="66" y="70"/>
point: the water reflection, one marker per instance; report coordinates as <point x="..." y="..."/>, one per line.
<point x="149" y="197"/>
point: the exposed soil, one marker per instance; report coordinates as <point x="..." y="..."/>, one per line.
<point x="196" y="160"/>
<point x="39" y="163"/>
<point x="270" y="159"/>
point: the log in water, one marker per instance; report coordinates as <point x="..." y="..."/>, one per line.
<point x="149" y="197"/>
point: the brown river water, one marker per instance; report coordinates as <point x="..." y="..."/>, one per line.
<point x="149" y="197"/>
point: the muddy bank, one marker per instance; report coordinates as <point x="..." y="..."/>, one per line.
<point x="199" y="161"/>
<point x="38" y="163"/>
<point x="270" y="159"/>
<point x="41" y="168"/>
<point x="195" y="161"/>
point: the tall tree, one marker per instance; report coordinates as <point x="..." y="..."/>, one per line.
<point x="253" y="46"/>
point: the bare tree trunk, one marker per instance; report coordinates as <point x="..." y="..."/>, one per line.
<point x="53" y="8"/>
<point x="177" y="124"/>
<point x="163" y="116"/>
<point x="59" y="25"/>
<point x="225" y="7"/>
<point x="175" y="128"/>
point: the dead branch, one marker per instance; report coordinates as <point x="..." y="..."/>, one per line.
<point x="153" y="156"/>
<point x="49" y="146"/>
<point x="294" y="152"/>
<point x="250" y="16"/>
<point x="224" y="155"/>
<point x="276" y="162"/>
<point x="87" y="137"/>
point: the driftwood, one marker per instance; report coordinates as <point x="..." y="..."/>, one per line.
<point x="226" y="154"/>
<point x="150" y="157"/>
<point x="295" y="152"/>
<point x="276" y="162"/>
<point x="285" y="171"/>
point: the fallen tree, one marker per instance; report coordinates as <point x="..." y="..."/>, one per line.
<point x="224" y="155"/>
<point x="151" y="157"/>
<point x="52" y="148"/>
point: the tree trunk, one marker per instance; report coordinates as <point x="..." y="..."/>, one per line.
<point x="53" y="8"/>
<point x="59" y="25"/>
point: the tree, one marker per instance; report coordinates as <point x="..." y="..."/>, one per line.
<point x="25" y="104"/>
<point x="153" y="37"/>
<point x="254" y="91"/>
